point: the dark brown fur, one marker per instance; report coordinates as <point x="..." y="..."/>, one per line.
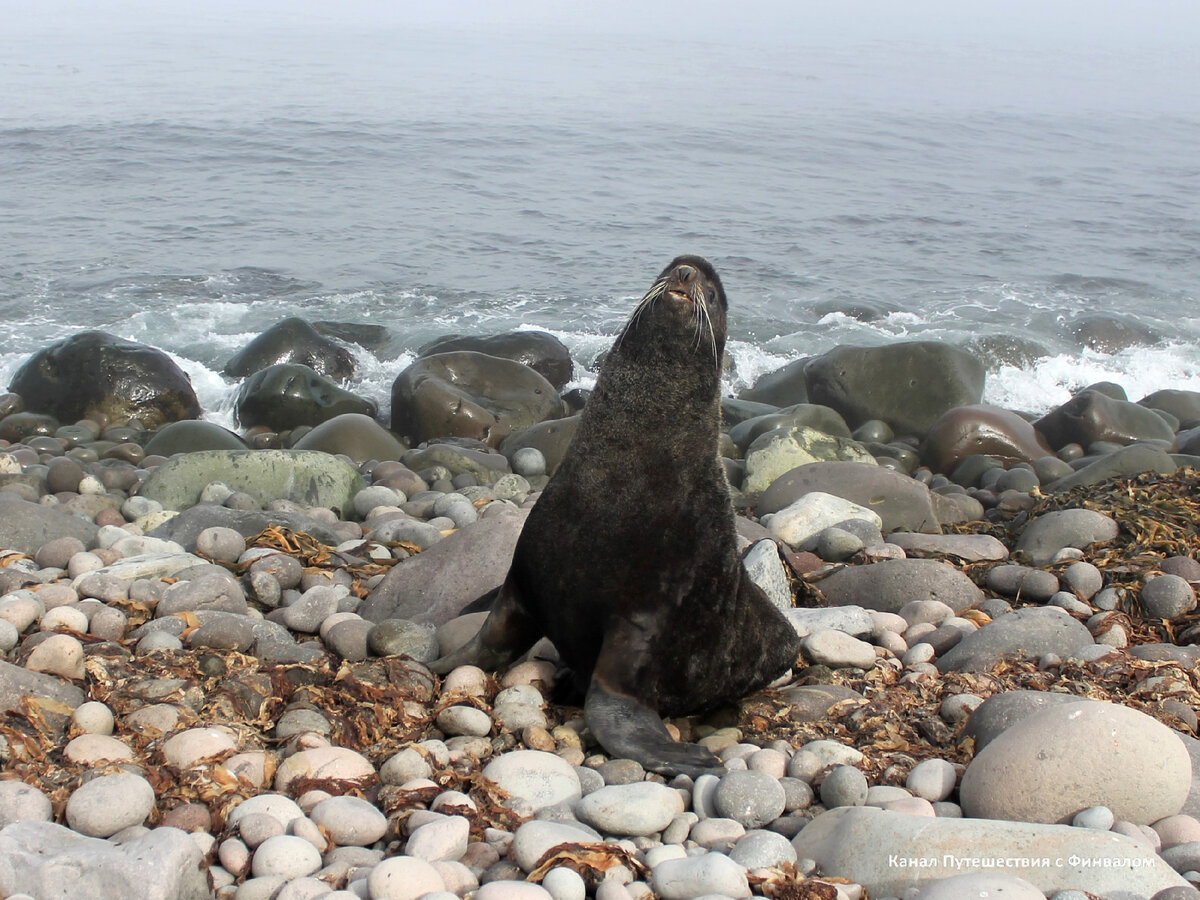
<point x="628" y="562"/>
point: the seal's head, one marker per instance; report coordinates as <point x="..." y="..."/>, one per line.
<point x="687" y="297"/>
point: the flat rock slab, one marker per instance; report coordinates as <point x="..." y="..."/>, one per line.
<point x="47" y="860"/>
<point x="25" y="526"/>
<point x="186" y="527"/>
<point x="1032" y="772"/>
<point x="898" y="500"/>
<point x="890" y="852"/>
<point x="308" y="477"/>
<point x="968" y="547"/>
<point x="435" y="585"/>
<point x="55" y="699"/>
<point x="886" y="586"/>
<point x="1131" y="460"/>
<point x="1031" y="632"/>
<point x="1042" y="538"/>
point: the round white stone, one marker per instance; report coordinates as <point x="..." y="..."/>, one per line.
<point x="93" y="717"/>
<point x="541" y="779"/>
<point x="109" y="803"/>
<point x="565" y="884"/>
<point x="286" y="855"/>
<point x="403" y="878"/>
<point x="640" y="808"/>
<point x="932" y="779"/>
<point x="284" y="809"/>
<point x="350" y="821"/>
<point x="324" y="762"/>
<point x="535" y="837"/>
<point x="59" y="654"/>
<point x="445" y="839"/>
<point x="90" y="749"/>
<point x="695" y="876"/>
<point x="189" y="747"/>
<point x="455" y="720"/>
<point x="21" y="802"/>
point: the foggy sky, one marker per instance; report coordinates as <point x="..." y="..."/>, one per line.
<point x="1111" y="23"/>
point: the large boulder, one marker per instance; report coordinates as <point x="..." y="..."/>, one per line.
<point x="540" y="350"/>
<point x="42" y="859"/>
<point x="783" y="387"/>
<point x="899" y="501"/>
<point x="468" y="394"/>
<point x="184" y="529"/>
<point x="1132" y="460"/>
<point x="1032" y="632"/>
<point x="96" y="375"/>
<point x="1111" y="334"/>
<point x="1092" y="416"/>
<point x="355" y="435"/>
<point x="890" y="853"/>
<point x="1183" y="405"/>
<point x="1136" y="767"/>
<point x="908" y="385"/>
<point x="305" y="476"/>
<point x="810" y="415"/>
<point x="288" y="395"/>
<point x="25" y="526"/>
<point x="292" y="341"/>
<point x="552" y="438"/>
<point x="983" y="430"/>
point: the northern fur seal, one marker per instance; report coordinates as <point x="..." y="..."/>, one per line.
<point x="628" y="561"/>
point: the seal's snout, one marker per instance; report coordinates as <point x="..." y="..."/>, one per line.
<point x="686" y="274"/>
<point x="681" y="282"/>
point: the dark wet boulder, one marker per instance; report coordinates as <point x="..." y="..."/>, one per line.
<point x="354" y="435"/>
<point x="379" y="339"/>
<point x="289" y="395"/>
<point x="1123" y="463"/>
<point x="21" y="425"/>
<point x="1183" y="405"/>
<point x="541" y="351"/>
<point x="859" y="310"/>
<point x="981" y="430"/>
<point x="734" y="411"/>
<point x="191" y="435"/>
<point x="1092" y="416"/>
<point x="997" y="350"/>
<point x="472" y="395"/>
<point x="552" y="438"/>
<point x="94" y="375"/>
<point x="292" y="341"/>
<point x="783" y="387"/>
<point x="1110" y="334"/>
<point x="908" y="385"/>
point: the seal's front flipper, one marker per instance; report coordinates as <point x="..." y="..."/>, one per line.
<point x="624" y="723"/>
<point x="506" y="633"/>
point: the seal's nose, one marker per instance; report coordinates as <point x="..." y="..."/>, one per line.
<point x="685" y="273"/>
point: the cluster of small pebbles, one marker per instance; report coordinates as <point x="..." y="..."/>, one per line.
<point x="162" y="664"/>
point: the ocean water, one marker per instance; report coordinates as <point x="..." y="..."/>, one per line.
<point x="187" y="190"/>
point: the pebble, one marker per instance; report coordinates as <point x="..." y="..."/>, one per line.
<point x="443" y="839"/>
<point x="533" y="838"/>
<point x="844" y="786"/>
<point x="759" y="849"/>
<point x="333" y="763"/>
<point x="976" y="886"/>
<point x="312" y="608"/>
<point x="349" y="820"/>
<point x="20" y="802"/>
<point x="1100" y="818"/>
<point x="539" y="778"/>
<point x="512" y="890"/>
<point x="697" y="876"/>
<point x="932" y="779"/>
<point x="258" y="827"/>
<point x="92" y="749"/>
<point x="187" y="748"/>
<point x="109" y="803"/>
<point x="464" y="720"/>
<point x="59" y="654"/>
<point x="403" y="878"/>
<point x="286" y="855"/>
<point x="640" y="808"/>
<point x="93" y="717"/>
<point x="838" y="650"/>
<point x="563" y="883"/>
<point x="1167" y="597"/>
<point x="753" y="799"/>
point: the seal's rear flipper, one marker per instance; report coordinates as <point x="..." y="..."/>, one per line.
<point x="506" y="633"/>
<point x="628" y="729"/>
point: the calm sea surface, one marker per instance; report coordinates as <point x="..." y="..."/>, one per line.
<point x="187" y="191"/>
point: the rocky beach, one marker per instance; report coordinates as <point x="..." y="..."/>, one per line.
<point x="215" y="643"/>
